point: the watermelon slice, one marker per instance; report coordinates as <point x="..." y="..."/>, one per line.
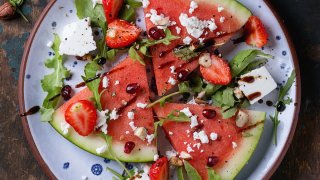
<point x="233" y="148"/>
<point x="126" y="72"/>
<point x="234" y="15"/>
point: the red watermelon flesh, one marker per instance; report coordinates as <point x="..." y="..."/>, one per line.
<point x="173" y="9"/>
<point x="115" y="97"/>
<point x="222" y="148"/>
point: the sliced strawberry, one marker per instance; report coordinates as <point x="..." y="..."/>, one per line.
<point x="112" y="9"/>
<point x="82" y="116"/>
<point x="159" y="170"/>
<point x="255" y="32"/>
<point x="216" y="72"/>
<point x="121" y="34"/>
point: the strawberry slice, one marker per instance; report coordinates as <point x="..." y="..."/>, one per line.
<point x="215" y="70"/>
<point x="159" y="170"/>
<point x="82" y="116"/>
<point x="112" y="9"/>
<point x="255" y="32"/>
<point x="121" y="34"/>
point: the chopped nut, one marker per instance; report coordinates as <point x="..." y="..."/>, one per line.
<point x="175" y="161"/>
<point x="205" y="60"/>
<point x="242" y="119"/>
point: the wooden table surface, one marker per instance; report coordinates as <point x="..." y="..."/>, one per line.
<point x="302" y="18"/>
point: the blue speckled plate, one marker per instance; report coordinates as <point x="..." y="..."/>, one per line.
<point x="63" y="160"/>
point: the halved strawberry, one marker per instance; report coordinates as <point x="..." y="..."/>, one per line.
<point x="255" y="32"/>
<point x="112" y="9"/>
<point x="215" y="70"/>
<point x="82" y="116"/>
<point x="121" y="34"/>
<point x="159" y="170"/>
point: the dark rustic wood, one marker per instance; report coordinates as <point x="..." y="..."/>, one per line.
<point x="302" y="160"/>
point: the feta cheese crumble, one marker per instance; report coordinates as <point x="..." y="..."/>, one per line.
<point x="193" y="6"/>
<point x="155" y="157"/>
<point x="131" y="124"/>
<point x="161" y="21"/>
<point x="150" y="138"/>
<point x="114" y="115"/>
<point x="101" y="149"/>
<point x="172" y="81"/>
<point x="220" y="8"/>
<point x="185" y="155"/>
<point x="142" y="105"/>
<point x="130" y="115"/>
<point x="65" y="127"/>
<point x="77" y="38"/>
<point x="171" y="153"/>
<point x="193" y="121"/>
<point x="187" y="40"/>
<point x="196" y="27"/>
<point x="222" y="19"/>
<point x="170" y="133"/>
<point x="202" y="136"/>
<point x="186" y="111"/>
<point x="178" y="29"/>
<point x="141" y="133"/>
<point x="213" y="136"/>
<point x="105" y="82"/>
<point x="117" y="82"/>
<point x="234" y="145"/>
<point x="173" y="69"/>
<point x="189" y="149"/>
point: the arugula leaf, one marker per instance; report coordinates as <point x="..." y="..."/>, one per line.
<point x="128" y="12"/>
<point x="212" y="175"/>
<point x="85" y="9"/>
<point x="196" y="84"/>
<point x="191" y="171"/>
<point x="228" y="112"/>
<point x="134" y="55"/>
<point x="109" y="144"/>
<point x="119" y="176"/>
<point x="281" y="98"/>
<point x="53" y="83"/>
<point x="90" y="71"/>
<point x="185" y="53"/>
<point x="254" y="65"/>
<point x="176" y="116"/>
<point x="180" y="173"/>
<point x="111" y="54"/>
<point x="224" y="98"/>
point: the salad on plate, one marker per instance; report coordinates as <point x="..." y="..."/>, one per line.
<point x="168" y="74"/>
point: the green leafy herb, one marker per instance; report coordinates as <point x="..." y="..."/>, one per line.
<point x="128" y="11"/>
<point x="53" y="83"/>
<point x="144" y="44"/>
<point x="225" y="99"/>
<point x="16" y="4"/>
<point x="90" y="71"/>
<point x="212" y="175"/>
<point x="96" y="14"/>
<point x="228" y="112"/>
<point x="180" y="173"/>
<point x="119" y="176"/>
<point x="176" y="116"/>
<point x="183" y="88"/>
<point x="196" y="84"/>
<point x="191" y="171"/>
<point x="109" y="145"/>
<point x="134" y="55"/>
<point x="185" y="53"/>
<point x="283" y="92"/>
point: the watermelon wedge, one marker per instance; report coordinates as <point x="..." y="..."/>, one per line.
<point x="126" y="72"/>
<point x="233" y="147"/>
<point x="234" y="15"/>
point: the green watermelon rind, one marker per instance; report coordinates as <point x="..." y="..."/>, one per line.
<point x="233" y="7"/>
<point x="239" y="158"/>
<point x="93" y="141"/>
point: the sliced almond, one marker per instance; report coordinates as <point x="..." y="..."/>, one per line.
<point x="205" y="60"/>
<point x="175" y="161"/>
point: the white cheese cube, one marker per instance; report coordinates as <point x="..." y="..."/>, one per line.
<point x="77" y="38"/>
<point x="257" y="84"/>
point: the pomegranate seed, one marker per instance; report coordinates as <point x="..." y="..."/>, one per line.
<point x="182" y="75"/>
<point x="212" y="160"/>
<point x="209" y="113"/>
<point x="132" y="88"/>
<point x="66" y="92"/>
<point x="156" y="33"/>
<point x="128" y="147"/>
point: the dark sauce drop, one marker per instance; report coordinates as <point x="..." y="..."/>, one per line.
<point x="82" y="84"/>
<point x="254" y="95"/>
<point x="260" y="101"/>
<point x="247" y="79"/>
<point x="269" y="103"/>
<point x="281" y="107"/>
<point x="31" y="111"/>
